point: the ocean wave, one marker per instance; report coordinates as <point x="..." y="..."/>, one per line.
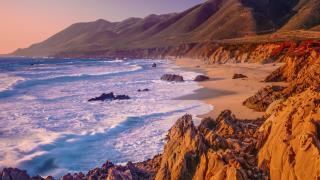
<point x="7" y="81"/>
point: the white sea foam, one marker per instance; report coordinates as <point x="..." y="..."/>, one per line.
<point x="9" y="80"/>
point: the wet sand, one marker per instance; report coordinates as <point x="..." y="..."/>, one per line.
<point x="223" y="92"/>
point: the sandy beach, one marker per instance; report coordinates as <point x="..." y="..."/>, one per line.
<point x="223" y="92"/>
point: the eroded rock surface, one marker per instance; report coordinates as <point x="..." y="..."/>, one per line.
<point x="291" y="138"/>
<point x="14" y="174"/>
<point x="264" y="97"/>
<point x="217" y="149"/>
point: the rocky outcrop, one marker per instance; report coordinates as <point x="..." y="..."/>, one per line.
<point x="264" y="97"/>
<point x="301" y="71"/>
<point x="285" y="146"/>
<point x="14" y="174"/>
<point x="154" y="65"/>
<point x="239" y="76"/>
<point x="109" y="96"/>
<point x="200" y="78"/>
<point x="140" y="171"/>
<point x="172" y="78"/>
<point x="291" y="138"/>
<point x="217" y="149"/>
<point x="110" y="171"/>
<point x="299" y="58"/>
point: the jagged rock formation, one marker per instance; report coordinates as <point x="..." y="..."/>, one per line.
<point x="264" y="97"/>
<point x="141" y="171"/>
<point x="218" y="149"/>
<point x="301" y="70"/>
<point x="13" y="174"/>
<point x="288" y="144"/>
<point x="291" y="138"/>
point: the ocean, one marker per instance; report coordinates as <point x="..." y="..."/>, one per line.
<point x="48" y="127"/>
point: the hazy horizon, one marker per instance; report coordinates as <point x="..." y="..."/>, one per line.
<point x="31" y="21"/>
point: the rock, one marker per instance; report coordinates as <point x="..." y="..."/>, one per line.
<point x="264" y="97"/>
<point x="184" y="147"/>
<point x="122" y="97"/>
<point x="154" y="65"/>
<point x="67" y="177"/>
<point x="107" y="165"/>
<point x="201" y="78"/>
<point x="217" y="149"/>
<point x="226" y="124"/>
<point x="14" y="174"/>
<point x="49" y="178"/>
<point x="110" y="171"/>
<point x="103" y="97"/>
<point x="239" y="76"/>
<point x="109" y="96"/>
<point x="118" y="173"/>
<point x="274" y="106"/>
<point x="150" y="166"/>
<point x="172" y="77"/>
<point x="294" y="129"/>
<point x="143" y="90"/>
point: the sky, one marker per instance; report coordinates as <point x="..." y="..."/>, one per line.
<point x="24" y="22"/>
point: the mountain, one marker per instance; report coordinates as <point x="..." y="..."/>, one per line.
<point x="210" y="21"/>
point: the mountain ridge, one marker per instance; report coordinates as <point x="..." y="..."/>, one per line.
<point x="213" y="20"/>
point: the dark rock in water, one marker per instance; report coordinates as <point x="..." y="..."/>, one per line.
<point x="172" y="77"/>
<point x="154" y="65"/>
<point x="110" y="171"/>
<point x="14" y="174"/>
<point x="143" y="90"/>
<point x="201" y="78"/>
<point x="122" y="97"/>
<point x="239" y="76"/>
<point x="103" y="97"/>
<point x="109" y="96"/>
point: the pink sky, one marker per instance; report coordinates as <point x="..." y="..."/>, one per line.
<point x="24" y="22"/>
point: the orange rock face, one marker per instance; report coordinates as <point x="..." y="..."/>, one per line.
<point x="291" y="149"/>
<point x="218" y="149"/>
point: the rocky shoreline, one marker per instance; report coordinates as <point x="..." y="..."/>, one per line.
<point x="283" y="144"/>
